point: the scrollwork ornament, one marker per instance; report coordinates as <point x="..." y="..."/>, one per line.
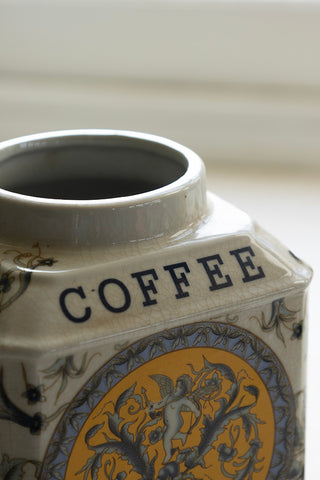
<point x="214" y="408"/>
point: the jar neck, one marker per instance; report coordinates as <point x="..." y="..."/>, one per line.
<point x="97" y="187"/>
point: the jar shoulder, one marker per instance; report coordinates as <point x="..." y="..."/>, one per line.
<point x="224" y="262"/>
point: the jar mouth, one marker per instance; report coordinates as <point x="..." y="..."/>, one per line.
<point x="93" y="187"/>
<point x="89" y="165"/>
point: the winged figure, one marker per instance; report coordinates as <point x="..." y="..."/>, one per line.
<point x="174" y="400"/>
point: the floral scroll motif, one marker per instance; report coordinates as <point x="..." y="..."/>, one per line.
<point x="281" y="318"/>
<point x="9" y="411"/>
<point x="164" y="423"/>
<point x="207" y="417"/>
<point x="15" y="281"/>
<point x="14" y="468"/>
<point x="64" y="369"/>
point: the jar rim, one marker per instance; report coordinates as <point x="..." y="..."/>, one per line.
<point x="172" y="208"/>
<point x="48" y="140"/>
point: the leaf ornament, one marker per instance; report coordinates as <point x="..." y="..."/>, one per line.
<point x="64" y="369"/>
<point x="9" y="411"/>
<point x="25" y="264"/>
<point x="281" y="317"/>
<point x="13" y="468"/>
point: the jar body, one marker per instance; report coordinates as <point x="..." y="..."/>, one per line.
<point x="170" y="356"/>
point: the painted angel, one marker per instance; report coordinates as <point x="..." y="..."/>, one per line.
<point x="177" y="399"/>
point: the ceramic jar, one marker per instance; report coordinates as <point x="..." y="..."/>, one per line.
<point x="149" y="329"/>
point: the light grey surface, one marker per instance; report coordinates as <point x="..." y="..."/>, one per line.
<point x="286" y="202"/>
<point x="236" y="80"/>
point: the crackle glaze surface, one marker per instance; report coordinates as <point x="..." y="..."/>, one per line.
<point x="179" y="356"/>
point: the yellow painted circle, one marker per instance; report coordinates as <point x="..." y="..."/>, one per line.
<point x="195" y="403"/>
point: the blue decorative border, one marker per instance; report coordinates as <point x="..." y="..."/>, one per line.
<point x="210" y="334"/>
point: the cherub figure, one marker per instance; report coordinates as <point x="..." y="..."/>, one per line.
<point x="175" y="399"/>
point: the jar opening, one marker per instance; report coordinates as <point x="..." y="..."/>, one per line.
<point x="98" y="187"/>
<point x="89" y="172"/>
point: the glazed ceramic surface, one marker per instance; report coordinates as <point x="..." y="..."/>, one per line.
<point x="149" y="330"/>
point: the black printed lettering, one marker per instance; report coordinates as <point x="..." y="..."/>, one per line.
<point x="178" y="280"/>
<point x="106" y="303"/>
<point x="147" y="287"/>
<point x="75" y="291"/>
<point x="213" y="271"/>
<point x="250" y="271"/>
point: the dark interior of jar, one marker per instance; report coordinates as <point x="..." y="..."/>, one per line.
<point x="90" y="172"/>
